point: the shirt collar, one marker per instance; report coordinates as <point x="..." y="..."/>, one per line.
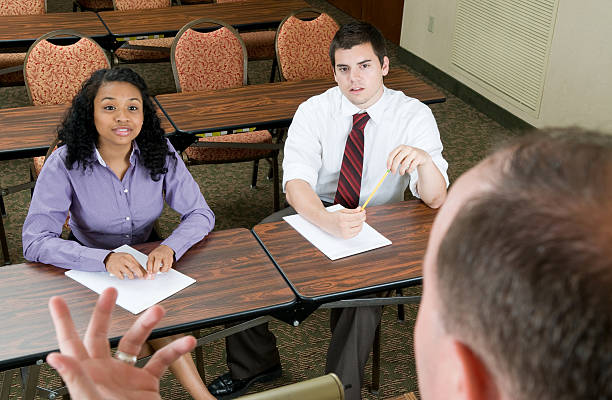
<point x="135" y="151"/>
<point x="375" y="111"/>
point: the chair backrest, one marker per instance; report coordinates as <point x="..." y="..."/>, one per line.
<point x="22" y="7"/>
<point x="302" y="47"/>
<point x="123" y="5"/>
<point x="53" y="74"/>
<point x="208" y="60"/>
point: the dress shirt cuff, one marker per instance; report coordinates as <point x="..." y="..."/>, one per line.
<point x="299" y="172"/>
<point x="442" y="166"/>
<point x="92" y="259"/>
<point x="177" y="245"/>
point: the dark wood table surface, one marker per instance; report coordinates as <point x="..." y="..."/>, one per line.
<point x="252" y="14"/>
<point x="235" y="280"/>
<point x="28" y="131"/>
<point x="267" y="105"/>
<point x="23" y="30"/>
<point x="316" y="278"/>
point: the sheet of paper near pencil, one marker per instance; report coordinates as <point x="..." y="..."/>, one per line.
<point x="135" y="295"/>
<point x="334" y="247"/>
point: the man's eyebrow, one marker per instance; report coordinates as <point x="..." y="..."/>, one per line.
<point x="364" y="61"/>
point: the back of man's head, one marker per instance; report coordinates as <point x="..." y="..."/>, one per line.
<point x="356" y="33"/>
<point x="525" y="270"/>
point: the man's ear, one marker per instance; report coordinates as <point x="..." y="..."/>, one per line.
<point x="385" y="66"/>
<point x="474" y="379"/>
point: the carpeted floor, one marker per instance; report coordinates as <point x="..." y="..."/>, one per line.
<point x="466" y="133"/>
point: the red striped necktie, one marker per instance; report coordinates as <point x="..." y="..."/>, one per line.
<point x="349" y="182"/>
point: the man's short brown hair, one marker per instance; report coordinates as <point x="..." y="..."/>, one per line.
<point x="356" y="33"/>
<point x="525" y="269"/>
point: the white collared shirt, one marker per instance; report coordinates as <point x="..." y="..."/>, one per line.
<point x="321" y="125"/>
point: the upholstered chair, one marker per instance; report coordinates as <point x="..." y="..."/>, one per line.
<point x="217" y="60"/>
<point x="54" y="74"/>
<point x="302" y="46"/>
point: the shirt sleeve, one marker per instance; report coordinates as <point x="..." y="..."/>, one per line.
<point x="47" y="214"/>
<point x="425" y="136"/>
<point x="302" y="153"/>
<point x="184" y="196"/>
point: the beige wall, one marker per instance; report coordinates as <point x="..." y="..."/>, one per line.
<point x="578" y="85"/>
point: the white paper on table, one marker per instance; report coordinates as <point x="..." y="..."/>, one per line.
<point x="135" y="295"/>
<point x="334" y="247"/>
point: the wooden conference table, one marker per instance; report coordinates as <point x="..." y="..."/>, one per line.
<point x="317" y="280"/>
<point x="23" y="30"/>
<point x="235" y="279"/>
<point x="267" y="105"/>
<point x="28" y="131"/>
<point x="249" y="14"/>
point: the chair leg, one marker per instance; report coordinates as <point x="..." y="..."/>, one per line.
<point x="254" y="177"/>
<point x="376" y="363"/>
<point x="401" y="317"/>
<point x="199" y="356"/>
<point x="4" y="243"/>
<point x="2" y="208"/>
<point x="29" y="379"/>
<point x="276" y="182"/>
<point x="7" y="381"/>
<point x="274" y="68"/>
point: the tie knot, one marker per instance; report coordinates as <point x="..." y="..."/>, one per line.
<point x="360" y="119"/>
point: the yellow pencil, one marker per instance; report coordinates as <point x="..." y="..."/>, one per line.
<point x="375" y="189"/>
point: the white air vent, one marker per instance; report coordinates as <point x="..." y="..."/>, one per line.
<point x="505" y="44"/>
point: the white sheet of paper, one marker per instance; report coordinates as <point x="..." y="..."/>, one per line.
<point x="333" y="247"/>
<point x="135" y="295"/>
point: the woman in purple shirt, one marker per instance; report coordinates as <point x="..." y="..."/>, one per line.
<point x="111" y="173"/>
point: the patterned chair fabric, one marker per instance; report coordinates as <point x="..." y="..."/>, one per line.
<point x="54" y="74"/>
<point x="302" y="47"/>
<point x="210" y="60"/>
<point x="214" y="60"/>
<point x="124" y="5"/>
<point x="22" y="7"/>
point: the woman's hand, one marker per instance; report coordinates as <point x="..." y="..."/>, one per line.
<point x="160" y="259"/>
<point x="123" y="265"/>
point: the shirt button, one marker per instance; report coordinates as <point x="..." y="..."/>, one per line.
<point x="125" y="190"/>
<point x="127" y="218"/>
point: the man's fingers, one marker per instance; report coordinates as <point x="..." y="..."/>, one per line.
<point x="79" y="384"/>
<point x="132" y="341"/>
<point x="95" y="340"/>
<point x="67" y="336"/>
<point x="168" y="354"/>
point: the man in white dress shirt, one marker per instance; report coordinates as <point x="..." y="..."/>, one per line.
<point x="339" y="145"/>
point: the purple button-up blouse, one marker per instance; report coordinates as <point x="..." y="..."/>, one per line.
<point x="106" y="212"/>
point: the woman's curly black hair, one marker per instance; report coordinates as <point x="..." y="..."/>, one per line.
<point x="78" y="131"/>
